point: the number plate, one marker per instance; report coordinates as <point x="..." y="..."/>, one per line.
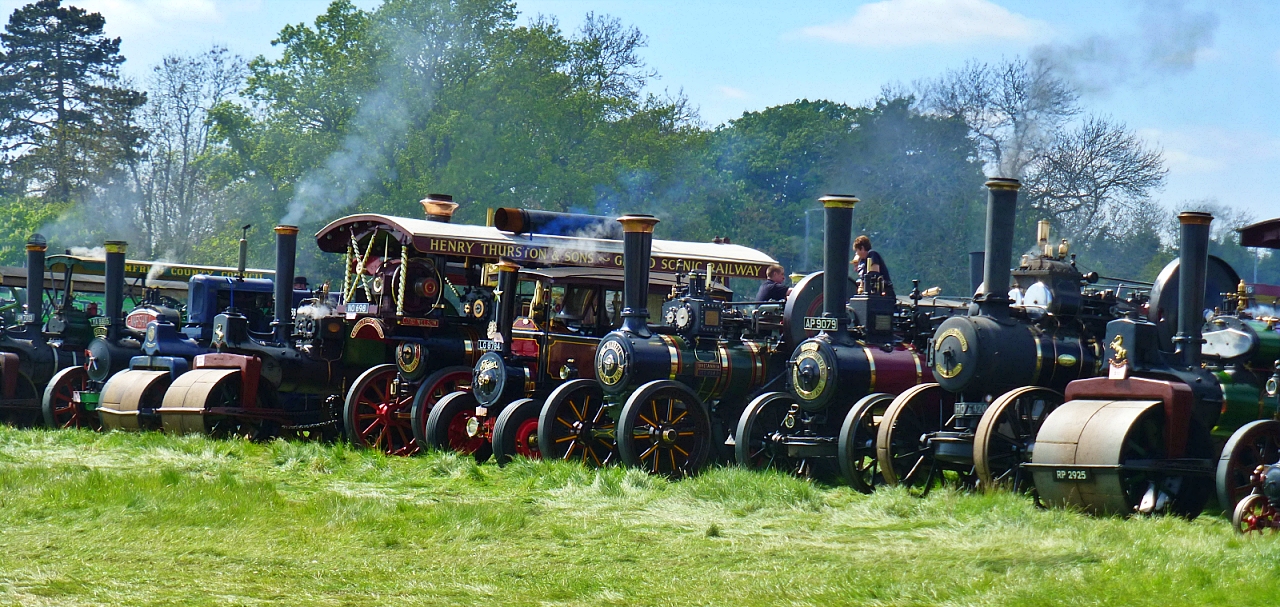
<point x="490" y="345"/>
<point x="812" y="323"/>
<point x="101" y="321"/>
<point x="26" y="317"/>
<point x="357" y="308"/>
<point x="1071" y="474"/>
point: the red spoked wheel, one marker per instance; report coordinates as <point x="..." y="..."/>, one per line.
<point x="453" y="426"/>
<point x="376" y="412"/>
<point x="575" y="425"/>
<point x="1255" y="514"/>
<point x="59" y="404"/>
<point x="431" y="391"/>
<point x="515" y="433"/>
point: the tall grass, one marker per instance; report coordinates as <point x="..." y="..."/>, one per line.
<point x="148" y="519"/>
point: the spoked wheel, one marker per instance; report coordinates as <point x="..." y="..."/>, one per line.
<point x="857" y="446"/>
<point x="574" y="424"/>
<point x="1185" y="495"/>
<point x="515" y="433"/>
<point x="376" y="412"/>
<point x="435" y="387"/>
<point x="760" y="441"/>
<point x="904" y="456"/>
<point x="1255" y="513"/>
<point x="59" y="403"/>
<point x="197" y="402"/>
<point x="1254" y="444"/>
<point x="1006" y="436"/>
<point x="453" y="426"/>
<point x="665" y="429"/>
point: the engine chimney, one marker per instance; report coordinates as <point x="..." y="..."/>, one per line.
<point x="36" y="246"/>
<point x="1002" y="204"/>
<point x="975" y="271"/>
<point x="835" y="258"/>
<point x="508" y="283"/>
<point x="114" y="288"/>
<point x="1193" y="263"/>
<point x="286" y="252"/>
<point x="637" y="246"/>
<point x="439" y="207"/>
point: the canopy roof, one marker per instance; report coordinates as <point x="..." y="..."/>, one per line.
<point x="96" y="266"/>
<point x="484" y="242"/>
<point x="1265" y="234"/>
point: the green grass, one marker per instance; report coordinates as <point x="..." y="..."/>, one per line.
<point x="146" y="519"/>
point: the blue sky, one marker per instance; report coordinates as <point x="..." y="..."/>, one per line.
<point x="1199" y="80"/>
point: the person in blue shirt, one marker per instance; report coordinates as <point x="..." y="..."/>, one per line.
<point x="772" y="288"/>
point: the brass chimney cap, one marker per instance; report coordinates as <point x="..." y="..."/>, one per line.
<point x="37" y="242"/>
<point x="1003" y="183"/>
<point x="506" y="265"/>
<point x="287" y="230"/>
<point x="440" y="206"/>
<point x="1195" y="218"/>
<point x="638" y="223"/>
<point x="115" y="246"/>
<point x="839" y="201"/>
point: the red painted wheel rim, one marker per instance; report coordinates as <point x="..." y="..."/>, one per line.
<point x="527" y="439"/>
<point x="382" y="418"/>
<point x="66" y="412"/>
<point x="459" y="440"/>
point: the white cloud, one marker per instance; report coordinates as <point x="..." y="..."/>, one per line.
<point x="152" y="17"/>
<point x="1205" y="149"/>
<point x="733" y="93"/>
<point x="902" y="23"/>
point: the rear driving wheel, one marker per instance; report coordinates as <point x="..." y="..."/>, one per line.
<point x="1254" y="444"/>
<point x="60" y="406"/>
<point x="376" y="412"/>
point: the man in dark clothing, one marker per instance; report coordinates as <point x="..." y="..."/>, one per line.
<point x="773" y="288"/>
<point x="873" y="272"/>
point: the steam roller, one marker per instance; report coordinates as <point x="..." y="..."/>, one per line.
<point x="1138" y="440"/>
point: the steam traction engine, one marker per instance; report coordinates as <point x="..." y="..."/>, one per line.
<point x="664" y="396"/>
<point x="1001" y="368"/>
<point x="840" y="381"/>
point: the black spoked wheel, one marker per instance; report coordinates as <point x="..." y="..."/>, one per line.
<point x="1184" y="495"/>
<point x="244" y="427"/>
<point x="1254" y="444"/>
<point x="766" y="425"/>
<point x="665" y="429"/>
<point x="904" y="455"/>
<point x="515" y="433"/>
<point x="1006" y="436"/>
<point x="575" y="425"/>
<point x="857" y="446"/>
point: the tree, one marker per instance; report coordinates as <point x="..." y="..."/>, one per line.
<point x="64" y="118"/>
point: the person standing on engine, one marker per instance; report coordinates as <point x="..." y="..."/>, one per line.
<point x="773" y="289"/>
<point x="873" y="272"/>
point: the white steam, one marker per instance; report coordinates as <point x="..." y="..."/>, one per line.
<point x="315" y="311"/>
<point x="90" y="252"/>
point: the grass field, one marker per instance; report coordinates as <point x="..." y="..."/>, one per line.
<point x="145" y="519"/>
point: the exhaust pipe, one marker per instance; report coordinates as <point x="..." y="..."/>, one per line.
<point x="975" y="271"/>
<point x="286" y="252"/>
<point x="637" y="246"/>
<point x="1193" y="264"/>
<point x="1002" y="204"/>
<point x="113" y="290"/>
<point x="439" y="207"/>
<point x="524" y="221"/>
<point x="838" y="214"/>
<point x="508" y="283"/>
<point x="36" y="247"/>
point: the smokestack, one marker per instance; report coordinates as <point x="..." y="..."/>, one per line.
<point x="637" y="245"/>
<point x="439" y="207"/>
<point x="1002" y="204"/>
<point x="508" y="283"/>
<point x="36" y="246"/>
<point x="286" y="251"/>
<point x="975" y="270"/>
<point x="524" y="221"/>
<point x="114" y="288"/>
<point x="1193" y="263"/>
<point x="835" y="258"/>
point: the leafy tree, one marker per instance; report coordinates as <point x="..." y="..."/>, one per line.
<point x="65" y="118"/>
